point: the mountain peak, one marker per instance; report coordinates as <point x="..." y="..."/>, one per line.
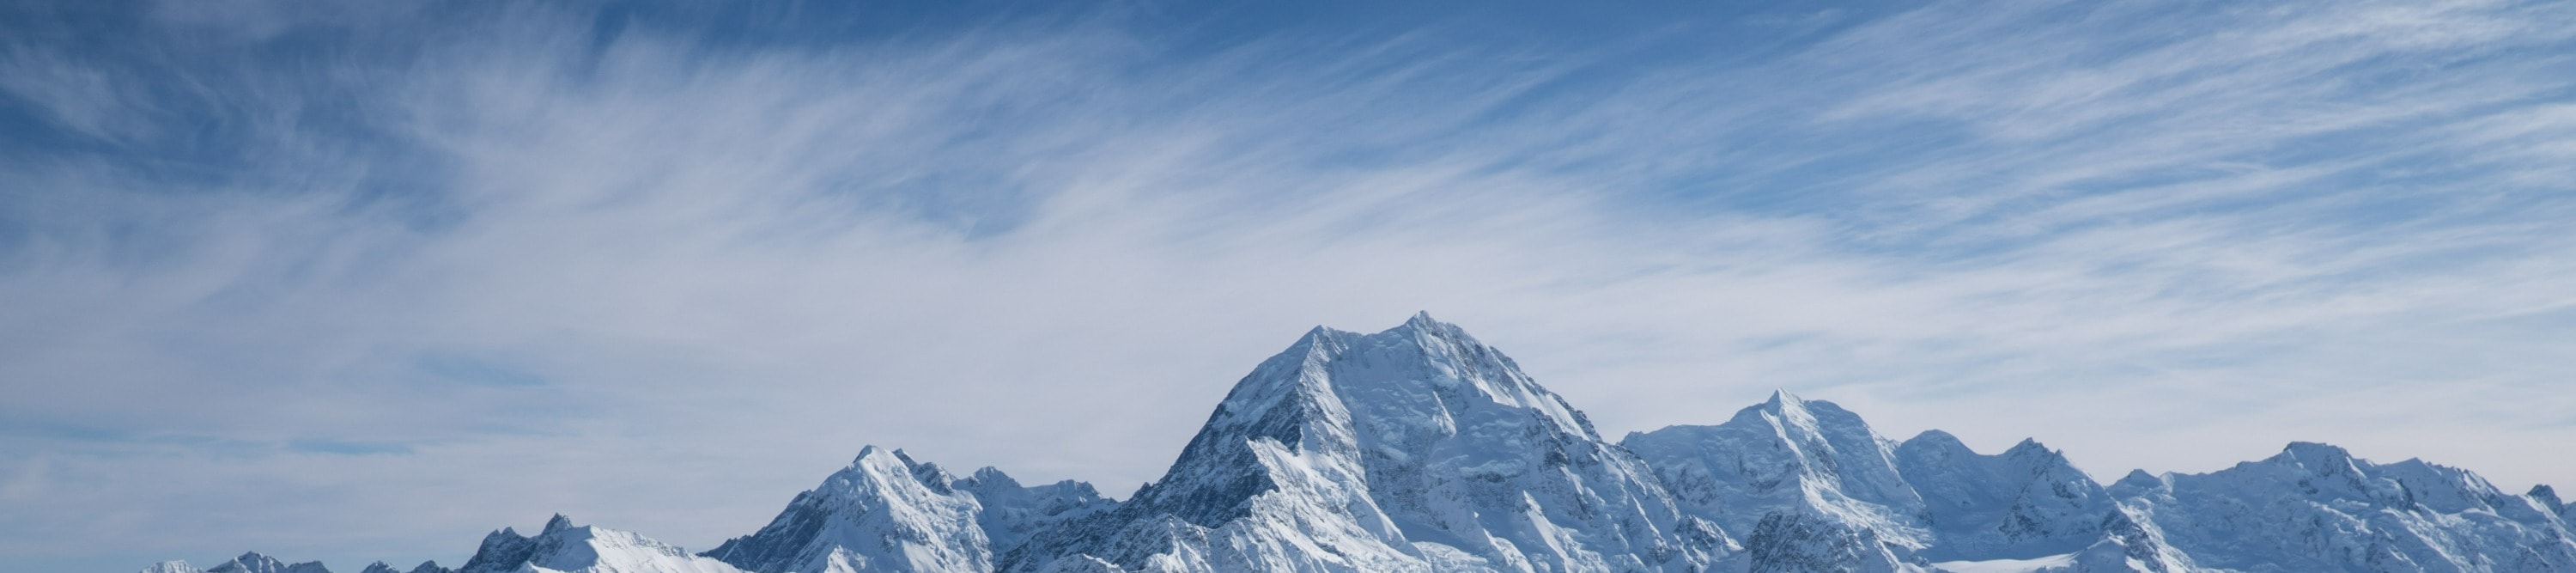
<point x="1372" y="444"/>
<point x="557" y="523"/>
<point x="886" y="511"/>
<point x="173" y="566"/>
<point x="1790" y="409"/>
<point x="1422" y="319"/>
<point x="1782" y="405"/>
<point x="868" y="451"/>
<point x="2316" y="456"/>
<point x="2030" y="448"/>
<point x="1936" y="437"/>
<point x="2548" y="497"/>
<point x="1781" y="396"/>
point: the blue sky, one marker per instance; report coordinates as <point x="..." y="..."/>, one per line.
<point x="361" y="281"/>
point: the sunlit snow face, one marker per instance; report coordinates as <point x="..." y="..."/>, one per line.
<point x="382" y="277"/>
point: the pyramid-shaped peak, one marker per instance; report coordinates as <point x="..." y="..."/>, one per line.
<point x="557" y="523"/>
<point x="877" y="464"/>
<point x="2548" y="497"/>
<point x="1781" y="397"/>
<point x="1422" y="354"/>
<point x="869" y="451"/>
<point x="1783" y="402"/>
<point x="2029" y="447"/>
<point x="990" y="475"/>
<point x="1422" y="322"/>
<point x="1793" y="410"/>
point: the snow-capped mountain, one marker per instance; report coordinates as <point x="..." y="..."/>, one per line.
<point x="1420" y="449"/>
<point x="1413" y="449"/>
<point x="251" y="562"/>
<point x="2314" y="507"/>
<point x="1818" y="490"/>
<point x="887" y="512"/>
<point x="566" y="548"/>
<point x="1810" y="483"/>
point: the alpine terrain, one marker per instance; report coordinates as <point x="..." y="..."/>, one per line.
<point x="1419" y="449"/>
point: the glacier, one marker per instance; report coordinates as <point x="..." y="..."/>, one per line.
<point x="1421" y="449"/>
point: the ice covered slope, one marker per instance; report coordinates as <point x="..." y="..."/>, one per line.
<point x="1789" y="456"/>
<point x="172" y="567"/>
<point x="887" y="512"/>
<point x="2314" y="507"/>
<point x="1819" y="490"/>
<point x="251" y="562"/>
<point x="2024" y="503"/>
<point x="1413" y="449"/>
<point x="566" y="548"/>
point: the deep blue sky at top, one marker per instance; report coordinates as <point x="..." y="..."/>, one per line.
<point x="1588" y="51"/>
<point x="1585" y="52"/>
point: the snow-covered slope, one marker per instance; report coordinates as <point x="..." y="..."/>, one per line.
<point x="1420" y="449"/>
<point x="172" y="567"/>
<point x="566" y="548"/>
<point x="2314" y="507"/>
<point x="1810" y="481"/>
<point x="887" y="512"/>
<point x="2024" y="503"/>
<point x="1821" y="491"/>
<point x="251" y="562"/>
<point x="883" y="513"/>
<point x="1413" y="449"/>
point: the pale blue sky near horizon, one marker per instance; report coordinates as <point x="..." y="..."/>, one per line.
<point x="359" y="281"/>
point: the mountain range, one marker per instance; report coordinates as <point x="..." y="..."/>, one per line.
<point x="1420" y="449"/>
